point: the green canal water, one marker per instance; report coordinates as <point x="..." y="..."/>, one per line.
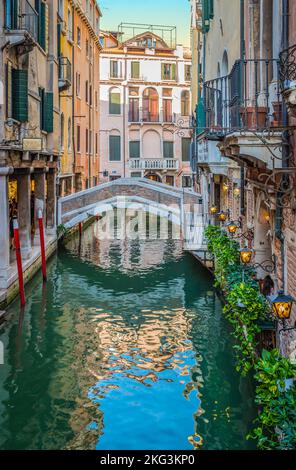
<point x="124" y="348"/>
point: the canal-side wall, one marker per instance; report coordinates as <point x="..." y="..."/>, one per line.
<point x="30" y="268"/>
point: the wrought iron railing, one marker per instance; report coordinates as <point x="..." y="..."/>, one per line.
<point x="287" y="68"/>
<point x="248" y="98"/>
<point x="20" y="15"/>
<point x="150" y="117"/>
<point x="134" y="116"/>
<point x="65" y="70"/>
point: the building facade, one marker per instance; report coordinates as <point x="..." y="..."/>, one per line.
<point x="146" y="105"/>
<point x="79" y="48"/>
<point x="245" y="127"/>
<point x="29" y="129"/>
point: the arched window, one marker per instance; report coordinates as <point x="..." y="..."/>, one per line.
<point x="62" y="130"/>
<point x="150" y="105"/>
<point x="69" y="133"/>
<point x="225" y="64"/>
<point x="185" y="103"/>
<point x="114" y="101"/>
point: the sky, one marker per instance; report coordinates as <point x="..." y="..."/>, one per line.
<point x="166" y="12"/>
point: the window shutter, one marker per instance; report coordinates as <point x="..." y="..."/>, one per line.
<point x="134" y="149"/>
<point x="20" y="95"/>
<point x="168" y="149"/>
<point x="9" y="90"/>
<point x="173" y="72"/>
<point x="114" y="103"/>
<point x="186" y="149"/>
<point x="135" y="69"/>
<point x="8" y="14"/>
<point x="211" y="9"/>
<point x="48" y="112"/>
<point x="162" y="72"/>
<point x="43" y="31"/>
<point x="205" y="16"/>
<point x="114" y="142"/>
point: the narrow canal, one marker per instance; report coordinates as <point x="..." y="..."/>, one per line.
<point x="124" y="348"/>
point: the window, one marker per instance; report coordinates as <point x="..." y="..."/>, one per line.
<point x="114" y="148"/>
<point x="77" y="84"/>
<point x="86" y="140"/>
<point x="62" y="130"/>
<point x="135" y="70"/>
<point x="78" y="139"/>
<point x="114" y="101"/>
<point x="97" y="25"/>
<point x="42" y="26"/>
<point x="86" y="91"/>
<point x="187" y="73"/>
<point x="70" y="32"/>
<point x="78" y="36"/>
<point x="186" y="181"/>
<point x="186" y="143"/>
<point x="185" y="103"/>
<point x="168" y="149"/>
<point x="134" y="149"/>
<point x="170" y="180"/>
<point x="96" y="100"/>
<point x="115" y="69"/>
<point x="86" y="48"/>
<point x="133" y="112"/>
<point x="96" y="143"/>
<point x="61" y="8"/>
<point x="168" y="71"/>
<point x="9" y="90"/>
<point x="90" y="143"/>
<point x="150" y="105"/>
<point x="167" y="105"/>
<point x="90" y="95"/>
<point x="69" y="134"/>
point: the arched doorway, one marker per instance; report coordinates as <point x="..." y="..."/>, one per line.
<point x="150" y="105"/>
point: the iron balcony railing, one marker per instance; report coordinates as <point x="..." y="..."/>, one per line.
<point x="134" y="116"/>
<point x="150" y="117"/>
<point x="287" y="68"/>
<point x="65" y="72"/>
<point x="248" y="98"/>
<point x="21" y="16"/>
<point x="154" y="164"/>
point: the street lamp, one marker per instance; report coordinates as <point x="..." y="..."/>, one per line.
<point x="232" y="227"/>
<point x="246" y="255"/>
<point x="282" y="308"/>
<point x="213" y="210"/>
<point x="222" y="216"/>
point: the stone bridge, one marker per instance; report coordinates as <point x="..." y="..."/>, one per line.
<point x="181" y="206"/>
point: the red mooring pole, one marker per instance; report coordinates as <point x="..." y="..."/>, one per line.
<point x="19" y="261"/>
<point x="42" y="244"/>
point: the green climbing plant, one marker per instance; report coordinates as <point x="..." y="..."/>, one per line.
<point x="275" y="426"/>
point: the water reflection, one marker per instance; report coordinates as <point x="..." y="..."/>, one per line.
<point x="125" y="349"/>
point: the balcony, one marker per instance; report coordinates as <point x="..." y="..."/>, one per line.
<point x="154" y="164"/>
<point x="287" y="75"/>
<point x="150" y="117"/>
<point x="134" y="116"/>
<point x="65" y="73"/>
<point x="244" y="110"/>
<point x="21" y="25"/>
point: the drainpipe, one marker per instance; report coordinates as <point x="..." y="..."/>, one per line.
<point x="242" y="29"/>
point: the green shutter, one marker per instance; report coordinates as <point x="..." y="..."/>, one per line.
<point x="134" y="149"/>
<point x="211" y="9"/>
<point x="135" y="69"/>
<point x="162" y="72"/>
<point x="205" y="16"/>
<point x="43" y="27"/>
<point x="168" y="149"/>
<point x="20" y="95"/>
<point x="114" y="151"/>
<point x="173" y="72"/>
<point x="48" y="112"/>
<point x="186" y="142"/>
<point x="114" y="103"/>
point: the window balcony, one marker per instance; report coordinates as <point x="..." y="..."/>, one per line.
<point x="154" y="164"/>
<point x="65" y="73"/>
<point x="134" y="116"/>
<point x="287" y="75"/>
<point x="244" y="110"/>
<point x="21" y="25"/>
<point x="248" y="98"/>
<point x="150" y="117"/>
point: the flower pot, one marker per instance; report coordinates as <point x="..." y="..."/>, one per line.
<point x="254" y="118"/>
